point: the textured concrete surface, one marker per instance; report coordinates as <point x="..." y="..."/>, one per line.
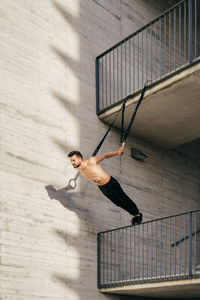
<point x="48" y="233"/>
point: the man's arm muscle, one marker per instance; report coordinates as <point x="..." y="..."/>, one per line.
<point x="109" y="154"/>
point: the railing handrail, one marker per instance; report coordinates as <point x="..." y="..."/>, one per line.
<point x="157" y="51"/>
<point x="139" y="30"/>
<point x="151" y="221"/>
<point x="144" y="253"/>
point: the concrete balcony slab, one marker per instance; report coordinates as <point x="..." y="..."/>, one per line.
<point x="174" y="289"/>
<point x="169" y="115"/>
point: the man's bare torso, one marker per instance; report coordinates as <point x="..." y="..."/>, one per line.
<point x="93" y="171"/>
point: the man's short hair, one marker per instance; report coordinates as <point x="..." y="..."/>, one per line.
<point x="78" y="153"/>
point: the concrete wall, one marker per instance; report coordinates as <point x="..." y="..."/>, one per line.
<point x="48" y="234"/>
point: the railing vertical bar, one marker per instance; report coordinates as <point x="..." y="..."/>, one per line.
<point x="122" y="260"/>
<point x="114" y="75"/>
<point x="184" y="32"/>
<point x="179" y="47"/>
<point x="119" y="269"/>
<point x="146" y="54"/>
<point x="143" y="250"/>
<point x="134" y="253"/>
<point x="175" y="246"/>
<point x="115" y="247"/>
<point x="106" y="79"/>
<point x="152" y="250"/>
<point x="134" y="64"/>
<point x="122" y="254"/>
<point x="195" y="241"/>
<point x="142" y="60"/>
<point x="174" y="39"/>
<point x="103" y="259"/>
<point x="160" y="47"/>
<point x="156" y="50"/>
<point x="138" y="61"/>
<point x="130" y="253"/>
<point x="111" y="258"/>
<point x="156" y="247"/>
<point x="97" y="86"/>
<point x="195" y="29"/>
<point x="165" y="45"/>
<point x="138" y="252"/>
<point x="170" y="263"/>
<point x="151" y="50"/>
<point x="110" y="76"/>
<point x="185" y="241"/>
<point x="117" y="74"/>
<point x="190" y="29"/>
<point x="117" y="256"/>
<point x="107" y="258"/>
<point x="180" y="246"/>
<point x="102" y="102"/>
<point x="125" y="70"/>
<point x="126" y="255"/>
<point x="190" y="244"/>
<point x="121" y="72"/>
<point x="147" y="250"/>
<point x="128" y="67"/>
<point x="129" y="53"/>
<point x="161" y="249"/>
<point x="165" y="247"/>
<point x="169" y="42"/>
<point x="98" y="261"/>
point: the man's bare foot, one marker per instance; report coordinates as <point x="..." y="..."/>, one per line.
<point x="137" y="219"/>
<point x="134" y="216"/>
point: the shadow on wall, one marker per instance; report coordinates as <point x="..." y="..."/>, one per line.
<point x="82" y="283"/>
<point x="68" y="200"/>
<point x="80" y="259"/>
<point x="68" y="101"/>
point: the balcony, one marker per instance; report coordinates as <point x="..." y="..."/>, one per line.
<point x="159" y="258"/>
<point x="165" y="52"/>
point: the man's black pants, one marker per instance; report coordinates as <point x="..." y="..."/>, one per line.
<point x="114" y="192"/>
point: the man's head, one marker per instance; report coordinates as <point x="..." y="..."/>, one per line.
<point x="76" y="158"/>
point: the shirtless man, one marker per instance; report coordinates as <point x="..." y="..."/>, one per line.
<point x="109" y="186"/>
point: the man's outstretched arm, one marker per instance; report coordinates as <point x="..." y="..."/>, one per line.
<point x="110" y="154"/>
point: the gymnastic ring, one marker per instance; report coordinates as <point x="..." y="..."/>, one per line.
<point x="69" y="183"/>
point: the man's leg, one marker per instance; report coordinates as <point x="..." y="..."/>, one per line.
<point x="124" y="201"/>
<point x="114" y="192"/>
<point x="128" y="204"/>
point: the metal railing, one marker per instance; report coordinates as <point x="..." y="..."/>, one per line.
<point x="148" y="252"/>
<point x="158" y="50"/>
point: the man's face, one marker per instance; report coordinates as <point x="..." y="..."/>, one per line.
<point x="76" y="161"/>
